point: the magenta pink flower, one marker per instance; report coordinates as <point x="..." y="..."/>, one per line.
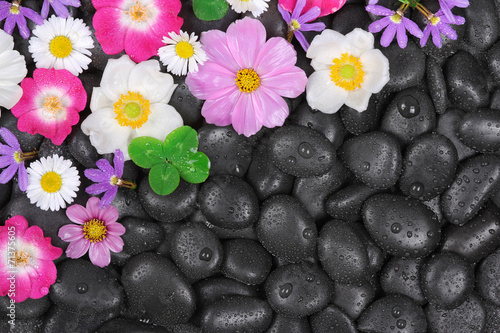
<point x="327" y="6"/>
<point x="136" y="26"/>
<point x="50" y="103"/>
<point x="245" y="77"/>
<point x="96" y="231"/>
<point x="27" y="269"/>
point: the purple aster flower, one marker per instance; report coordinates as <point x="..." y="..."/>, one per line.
<point x="394" y="22"/>
<point x="297" y="22"/>
<point x="439" y="24"/>
<point x="14" y="14"/>
<point x="12" y="158"/>
<point x="447" y="5"/>
<point x="108" y="179"/>
<point x="59" y="7"/>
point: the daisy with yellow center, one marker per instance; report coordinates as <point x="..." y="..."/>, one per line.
<point x="182" y="53"/>
<point x="256" y="7"/>
<point x="348" y="70"/>
<point x="52" y="182"/>
<point x="62" y="44"/>
<point x="131" y="102"/>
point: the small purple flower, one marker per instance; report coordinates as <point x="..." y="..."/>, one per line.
<point x="59" y="7"/>
<point x="394" y="22"/>
<point x="447" y="5"/>
<point x="297" y="22"/>
<point x="12" y="157"/>
<point x="438" y="24"/>
<point x="14" y="14"/>
<point x="108" y="179"/>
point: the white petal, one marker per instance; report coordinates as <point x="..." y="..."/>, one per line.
<point x="328" y="45"/>
<point x="6" y="41"/>
<point x="99" y="100"/>
<point x="323" y="94"/>
<point x="162" y="120"/>
<point x="115" y="78"/>
<point x="360" y="41"/>
<point x="154" y="85"/>
<point x="376" y="68"/>
<point x="358" y="99"/>
<point x="10" y="95"/>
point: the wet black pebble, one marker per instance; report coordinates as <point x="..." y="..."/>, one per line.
<point x="404" y="227"/>
<point x="350" y="17"/>
<point x="374" y="158"/>
<point x="82" y="150"/>
<point x="212" y="289"/>
<point x="402" y="276"/>
<point x="59" y="320"/>
<point x="354" y="298"/>
<point x="447" y="125"/>
<point x="488" y="278"/>
<point x="346" y="203"/>
<point x="332" y="319"/>
<point x="357" y="122"/>
<point x="480" y="130"/>
<point x="141" y="235"/>
<point x="437" y="85"/>
<point x="228" y="202"/>
<point x="286" y="229"/>
<point x="30" y="308"/>
<point x="188" y="106"/>
<point x="282" y="324"/>
<point x="483" y="28"/>
<point x="124" y="325"/>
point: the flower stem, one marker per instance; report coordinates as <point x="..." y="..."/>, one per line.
<point x="22" y="156"/>
<point x="126" y="183"/>
<point x="289" y="35"/>
<point x="424" y="11"/>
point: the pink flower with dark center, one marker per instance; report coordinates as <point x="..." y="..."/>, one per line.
<point x="245" y="77"/>
<point x="96" y="231"/>
<point x="27" y="269"/>
<point x="50" y="103"/>
<point x="136" y="26"/>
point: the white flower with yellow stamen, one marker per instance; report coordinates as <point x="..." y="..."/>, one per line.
<point x="52" y="182"/>
<point x="62" y="44"/>
<point x="182" y="53"/>
<point x="257" y="7"/>
<point x="131" y="102"/>
<point x="348" y="70"/>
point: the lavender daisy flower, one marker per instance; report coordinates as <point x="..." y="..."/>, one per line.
<point x="108" y="179"/>
<point x="14" y="14"/>
<point x="59" y="7"/>
<point x="297" y="22"/>
<point x="12" y="158"/>
<point x="447" y="5"/>
<point x="439" y="24"/>
<point x="394" y="22"/>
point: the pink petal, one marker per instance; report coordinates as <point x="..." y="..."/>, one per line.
<point x="215" y="45"/>
<point x="98" y="4"/>
<point x="63" y="128"/>
<point x="109" y="31"/>
<point x="141" y="45"/>
<point x="19" y="223"/>
<point x="78" y="214"/>
<point x="45" y="250"/>
<point x="93" y="207"/>
<point x="270" y="109"/>
<point x="274" y="55"/>
<point x="22" y="286"/>
<point x="172" y="7"/>
<point x="60" y="79"/>
<point x="47" y="274"/>
<point x="33" y="123"/>
<point x="99" y="254"/>
<point x="327" y="6"/>
<point x="115" y="229"/>
<point x="287" y="82"/>
<point x="71" y="232"/>
<point x="77" y="95"/>
<point x="167" y="21"/>
<point x="243" y="117"/>
<point x="114" y="243"/>
<point x="108" y="214"/>
<point x="211" y="81"/>
<point x="27" y="101"/>
<point x="245" y="38"/>
<point x="77" y="249"/>
<point x="218" y="111"/>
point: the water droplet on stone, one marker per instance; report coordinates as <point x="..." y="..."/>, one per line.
<point x="401" y="323"/>
<point x="396" y="227"/>
<point x="306" y="150"/>
<point x="416" y="189"/>
<point x="285" y="290"/>
<point x="206" y="254"/>
<point x="82" y="288"/>
<point x="308" y="233"/>
<point x="396" y="311"/>
<point x="408" y="106"/>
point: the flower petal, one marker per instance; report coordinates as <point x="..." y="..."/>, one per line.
<point x="215" y="45"/>
<point x="218" y="111"/>
<point x="212" y="81"/>
<point x="245" y="38"/>
<point x="115" y="78"/>
<point x="78" y="214"/>
<point x="162" y="120"/>
<point x="323" y="94"/>
<point x="358" y="99"/>
<point x="99" y="254"/>
<point x="154" y="85"/>
<point x="9" y="138"/>
<point x="8" y="173"/>
<point x="376" y="68"/>
<point x="108" y="214"/>
<point x="270" y="109"/>
<point x="118" y="162"/>
<point x="108" y="197"/>
<point x="275" y="54"/>
<point x="77" y="249"/>
<point x="70" y="232"/>
<point x="243" y="116"/>
<point x="109" y="30"/>
<point x="114" y="243"/>
<point x="288" y="82"/>
<point x="97" y="175"/>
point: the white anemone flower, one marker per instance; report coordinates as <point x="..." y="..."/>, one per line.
<point x="12" y="71"/>
<point x="131" y="102"/>
<point x="348" y="70"/>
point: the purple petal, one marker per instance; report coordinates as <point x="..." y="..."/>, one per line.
<point x="99" y="254"/>
<point x="458" y="3"/>
<point x="425" y="35"/>
<point x="318" y="26"/>
<point x="10" y="24"/>
<point x="97" y="175"/>
<point x="9" y="138"/>
<point x="310" y="15"/>
<point x="412" y="27"/>
<point x="379" y="10"/>
<point x="379" y="25"/>
<point x="8" y="173"/>
<point x="31" y="14"/>
<point x="22" y="177"/>
<point x="60" y="9"/>
<point x="436" y="37"/>
<point x="6" y="150"/>
<point x="447" y="11"/>
<point x="447" y="30"/>
<point x="45" y="9"/>
<point x="401" y="35"/>
<point x="302" y="40"/>
<point x="118" y="162"/>
<point x="6" y="160"/>
<point x="4" y="12"/>
<point x="108" y="197"/>
<point x="286" y="15"/>
<point x="72" y="3"/>
<point x="105" y="166"/>
<point x="388" y="35"/>
<point x="22" y="25"/>
<point x="98" y="188"/>
<point x="299" y="5"/>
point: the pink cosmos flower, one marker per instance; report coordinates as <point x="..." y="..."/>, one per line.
<point x="27" y="269"/>
<point x="136" y="26"/>
<point x="245" y="77"/>
<point x="96" y="231"/>
<point x="327" y="6"/>
<point x="50" y="103"/>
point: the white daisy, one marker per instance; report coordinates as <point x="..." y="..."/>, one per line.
<point x="52" y="182"/>
<point x="62" y="44"/>
<point x="12" y="71"/>
<point x="257" y="7"/>
<point x="182" y="53"/>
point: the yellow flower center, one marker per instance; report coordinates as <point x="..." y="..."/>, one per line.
<point x="14" y="8"/>
<point x="294" y="25"/>
<point x="51" y="182"/>
<point x="94" y="230"/>
<point x="60" y="47"/>
<point x="347" y="72"/>
<point x="138" y="12"/>
<point x="184" y="50"/>
<point x="247" y="80"/>
<point x="434" y="20"/>
<point x="51" y="105"/>
<point x="132" y="110"/>
<point x="396" y="18"/>
<point x="21" y="258"/>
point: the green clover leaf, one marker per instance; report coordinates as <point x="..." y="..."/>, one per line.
<point x="210" y="10"/>
<point x="177" y="157"/>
